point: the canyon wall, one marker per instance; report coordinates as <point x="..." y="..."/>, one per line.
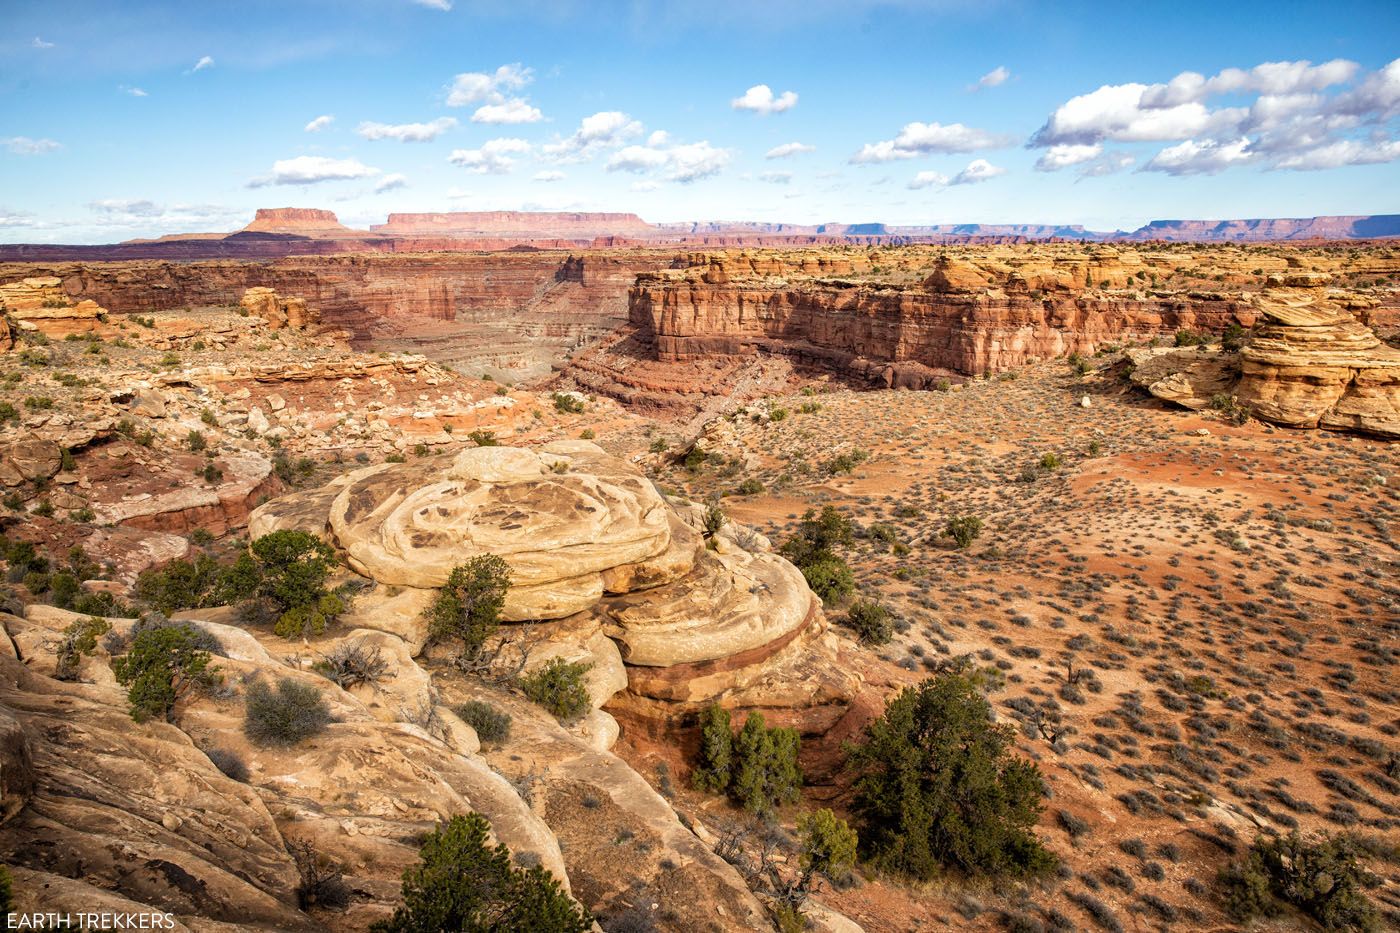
<point x="516" y="312"/>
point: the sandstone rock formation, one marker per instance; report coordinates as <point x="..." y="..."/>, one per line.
<point x="279" y="311"/>
<point x="39" y="304"/>
<point x="1308" y="364"/>
<point x="589" y="538"/>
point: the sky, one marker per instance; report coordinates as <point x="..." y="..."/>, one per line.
<point x="140" y="118"/>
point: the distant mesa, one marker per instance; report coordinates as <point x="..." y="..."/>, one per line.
<point x="289" y="231"/>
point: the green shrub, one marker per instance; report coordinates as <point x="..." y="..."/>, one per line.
<point x="492" y="725"/>
<point x="79" y="639"/>
<point x="1232" y="339"/>
<point x="937" y="786"/>
<point x="567" y="404"/>
<point x="964" y="529"/>
<point x="812" y="550"/>
<point x="8" y="413"/>
<point x="468" y="607"/>
<point x="196" y="441"/>
<point x="1321" y="877"/>
<point x="559" y="687"/>
<point x="294" y="711"/>
<point x="871" y="621"/>
<point x="765" y="772"/>
<point x="483" y="438"/>
<point x="463" y="883"/>
<point x="292" y="571"/>
<point x="1189" y="338"/>
<point x="714" y="520"/>
<point x="749" y="487"/>
<point x="846" y="462"/>
<point x="828" y="847"/>
<point x="777" y="414"/>
<point x="161" y="667"/>
<point x="716" y="750"/>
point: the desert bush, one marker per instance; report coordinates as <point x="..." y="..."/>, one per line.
<point x="79" y="638"/>
<point x="229" y="762"/>
<point x="963" y="529"/>
<point x="351" y="663"/>
<point x="162" y="666"/>
<point x="870" y="620"/>
<point x="559" y="687"/>
<point x="483" y="438"/>
<point x="716" y="750"/>
<point x="321" y="883"/>
<point x="1321" y="877"/>
<point x="286" y="715"/>
<point x="937" y="786"/>
<point x="461" y="882"/>
<point x="492" y="725"/>
<point x="812" y="550"/>
<point x="567" y="404"/>
<point x="1232" y="338"/>
<point x="468" y="607"/>
<point x="828" y="847"/>
<point x="1189" y="338"/>
<point x="765" y="770"/>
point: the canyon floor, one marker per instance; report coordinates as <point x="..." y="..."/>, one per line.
<point x="1194" y="613"/>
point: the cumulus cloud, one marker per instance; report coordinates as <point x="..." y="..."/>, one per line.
<point x="548" y="175"/>
<point x="928" y="180"/>
<point x="759" y="99"/>
<point x="311" y="170"/>
<point x="444" y="5"/>
<point x="513" y="110"/>
<point x="919" y="139"/>
<point x="787" y="150"/>
<point x="682" y="163"/>
<point x="144" y="214"/>
<point x="493" y="158"/>
<point x="1339" y="153"/>
<point x="658" y="138"/>
<point x="1301" y="117"/>
<point x="606" y="129"/>
<point x="776" y="178"/>
<point x="40" y="43"/>
<point x="24" y="145"/>
<point x="978" y="170"/>
<point x="133" y="91"/>
<point x="9" y="218"/>
<point x="320" y="123"/>
<point x="124" y="207"/>
<point x="476" y="86"/>
<point x="204" y="62"/>
<point x="994" y="78"/>
<point x="1109" y="163"/>
<point x="391" y="183"/>
<point x="1206" y="157"/>
<point x="405" y="132"/>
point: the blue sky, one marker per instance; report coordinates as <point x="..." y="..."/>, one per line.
<point x="139" y="118"/>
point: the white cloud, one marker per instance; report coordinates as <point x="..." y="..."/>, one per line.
<point x="23" y="145"/>
<point x="1339" y="153"/>
<point x="391" y="183"/>
<point x="126" y="207"/>
<point x="511" y="110"/>
<point x="994" y="78"/>
<point x="310" y="170"/>
<point x="658" y="138"/>
<point x="133" y="91"/>
<point x="406" y="132"/>
<point x="320" y="123"/>
<point x="493" y="158"/>
<point x="204" y="62"/>
<point x="776" y="178"/>
<point x="978" y="170"/>
<point x="444" y="5"/>
<point x="682" y="163"/>
<point x="549" y="175"/>
<point x="1298" y="119"/>
<point x="606" y="129"/>
<point x="1207" y="157"/>
<point x="10" y="218"/>
<point x="918" y="139"/>
<point x="1063" y="156"/>
<point x="40" y="43"/>
<point x="928" y="180"/>
<point x="1109" y="163"/>
<point x="760" y="99"/>
<point x="475" y="86"/>
<point x="645" y="186"/>
<point x="787" y="150"/>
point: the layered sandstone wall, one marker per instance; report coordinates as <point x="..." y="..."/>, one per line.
<point x="961" y="332"/>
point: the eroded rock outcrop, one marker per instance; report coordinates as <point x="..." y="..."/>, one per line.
<point x="279" y="310"/>
<point x="1308" y="364"/>
<point x="38" y="304"/>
